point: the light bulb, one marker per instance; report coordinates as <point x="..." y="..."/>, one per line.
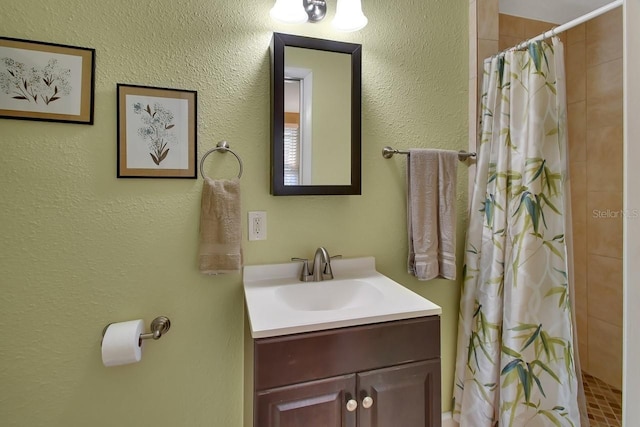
<point x="349" y="16"/>
<point x="289" y="12"/>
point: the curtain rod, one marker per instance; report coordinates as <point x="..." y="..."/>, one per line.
<point x="564" y="27"/>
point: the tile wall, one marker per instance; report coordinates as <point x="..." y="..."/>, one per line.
<point x="594" y="98"/>
<point x="483" y="42"/>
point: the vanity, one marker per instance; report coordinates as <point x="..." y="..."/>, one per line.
<point x="357" y="350"/>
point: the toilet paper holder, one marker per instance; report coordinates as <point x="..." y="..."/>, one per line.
<point x="159" y="326"/>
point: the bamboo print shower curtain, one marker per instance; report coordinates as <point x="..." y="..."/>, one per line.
<point x="515" y="362"/>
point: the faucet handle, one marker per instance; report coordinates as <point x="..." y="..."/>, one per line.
<point x="304" y="273"/>
<point x="327" y="267"/>
<point x="327" y="273"/>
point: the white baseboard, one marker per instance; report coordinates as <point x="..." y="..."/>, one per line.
<point x="447" y="421"/>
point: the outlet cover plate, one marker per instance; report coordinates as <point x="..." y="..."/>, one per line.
<point x="257" y="229"/>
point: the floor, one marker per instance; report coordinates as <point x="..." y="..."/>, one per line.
<point x="604" y="403"/>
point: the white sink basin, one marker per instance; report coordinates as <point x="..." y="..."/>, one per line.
<point x="329" y="295"/>
<point x="278" y="303"/>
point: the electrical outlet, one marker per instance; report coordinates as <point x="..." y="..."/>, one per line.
<point x="258" y="225"/>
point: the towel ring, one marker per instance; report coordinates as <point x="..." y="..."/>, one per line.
<point x="222" y="146"/>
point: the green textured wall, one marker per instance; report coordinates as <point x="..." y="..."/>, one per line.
<point x="81" y="248"/>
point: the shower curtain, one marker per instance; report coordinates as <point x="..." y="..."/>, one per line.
<point x="515" y="362"/>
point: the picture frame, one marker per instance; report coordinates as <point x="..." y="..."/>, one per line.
<point x="157" y="135"/>
<point x="46" y="81"/>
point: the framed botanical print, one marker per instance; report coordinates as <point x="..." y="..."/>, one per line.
<point x="46" y="81"/>
<point x="156" y="132"/>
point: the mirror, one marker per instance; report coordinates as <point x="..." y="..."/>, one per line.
<point x="315" y="116"/>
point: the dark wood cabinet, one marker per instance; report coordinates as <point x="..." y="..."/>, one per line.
<point x="378" y="375"/>
<point x="405" y="395"/>
<point x="311" y="404"/>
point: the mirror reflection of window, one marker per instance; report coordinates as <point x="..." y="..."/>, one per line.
<point x="298" y="90"/>
<point x="292" y="169"/>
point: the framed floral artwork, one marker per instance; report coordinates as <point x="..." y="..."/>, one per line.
<point x="156" y="132"/>
<point x="46" y="81"/>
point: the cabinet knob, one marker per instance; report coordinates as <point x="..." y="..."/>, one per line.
<point x="367" y="402"/>
<point x="352" y="404"/>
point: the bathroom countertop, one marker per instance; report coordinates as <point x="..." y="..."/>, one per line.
<point x="278" y="303"/>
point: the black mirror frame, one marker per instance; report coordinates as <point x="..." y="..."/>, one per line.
<point x="278" y="44"/>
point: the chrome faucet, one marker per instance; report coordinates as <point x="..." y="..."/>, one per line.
<point x="321" y="268"/>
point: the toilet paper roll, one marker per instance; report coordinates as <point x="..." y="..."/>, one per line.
<point x="121" y="343"/>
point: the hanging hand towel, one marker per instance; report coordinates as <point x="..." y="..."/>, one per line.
<point x="220" y="231"/>
<point x="431" y="213"/>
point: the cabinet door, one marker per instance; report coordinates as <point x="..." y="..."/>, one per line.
<point x="320" y="403"/>
<point x="405" y="395"/>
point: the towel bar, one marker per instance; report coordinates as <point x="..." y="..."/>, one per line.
<point x="388" y="152"/>
<point x="223" y="147"/>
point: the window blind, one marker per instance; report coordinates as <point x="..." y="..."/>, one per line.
<point x="291" y="156"/>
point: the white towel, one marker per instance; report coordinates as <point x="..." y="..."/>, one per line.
<point x="431" y="213"/>
<point x="220" y="227"/>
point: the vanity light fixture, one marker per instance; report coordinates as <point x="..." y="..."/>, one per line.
<point x="348" y="17"/>
<point x="316" y="9"/>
